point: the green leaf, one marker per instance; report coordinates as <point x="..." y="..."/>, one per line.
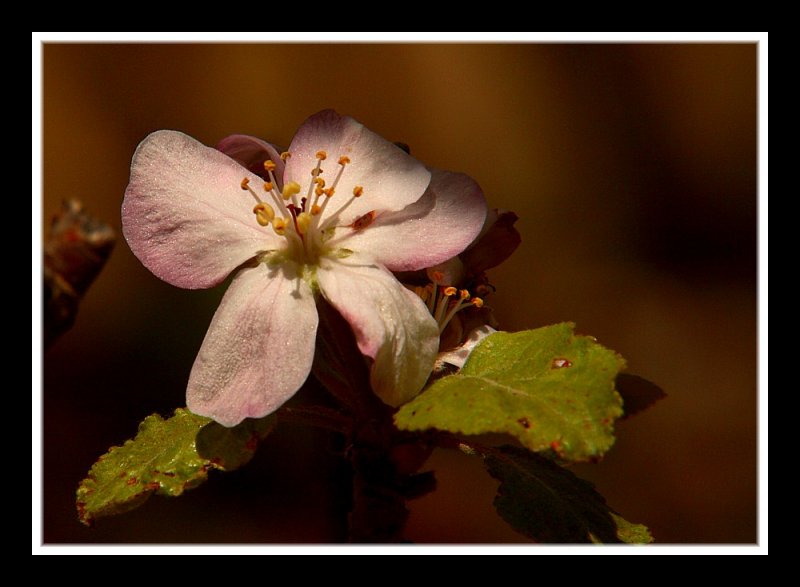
<point x="549" y="388"/>
<point x="167" y="457"/>
<point x="631" y="533"/>
<point x="549" y="504"/>
<point x="228" y="449"/>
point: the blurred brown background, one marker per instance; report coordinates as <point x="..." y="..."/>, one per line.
<point x="633" y="171"/>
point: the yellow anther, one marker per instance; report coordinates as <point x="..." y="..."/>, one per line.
<point x="303" y="221"/>
<point x="450" y="291"/>
<point x="290" y="189"/>
<point x="322" y="155"/>
<point x="269" y="165"/>
<point x="477" y="302"/>
<point x="316" y="209"/>
<point x="344" y="160"/>
<point x="268" y="186"/>
<point x="463" y="294"/>
<point x="357" y="191"/>
<point x="438" y="276"/>
<point x="285" y="155"/>
<point x="264" y="213"/>
<point x="318" y="192"/>
<point x="328" y="192"/>
<point x="245" y="183"/>
<point x="319" y="181"/>
<point x="279" y="225"/>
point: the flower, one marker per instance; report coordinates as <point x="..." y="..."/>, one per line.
<point x="455" y="290"/>
<point x="340" y="210"/>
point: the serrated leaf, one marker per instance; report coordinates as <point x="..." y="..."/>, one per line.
<point x="549" y="504"/>
<point x="549" y="388"/>
<point x="230" y="448"/>
<point x="166" y="457"/>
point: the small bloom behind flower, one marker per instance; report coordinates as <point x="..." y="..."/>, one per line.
<point x="332" y="216"/>
<point x="455" y="290"/>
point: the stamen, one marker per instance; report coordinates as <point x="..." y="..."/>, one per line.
<point x="460" y="305"/>
<point x="439" y="301"/>
<point x="285" y="155"/>
<point x="290" y="190"/>
<point x="269" y="165"/>
<point x="361" y="222"/>
<point x="344" y="160"/>
<point x="441" y="307"/>
<point x="437" y="276"/>
<point x="268" y="186"/>
<point x="264" y="213"/>
<point x="303" y="221"/>
<point x="321" y="156"/>
<point x="315" y="210"/>
<point x="245" y="185"/>
<point x="432" y="288"/>
<point x="279" y="225"/>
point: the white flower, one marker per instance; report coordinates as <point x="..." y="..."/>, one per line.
<point x="342" y="208"/>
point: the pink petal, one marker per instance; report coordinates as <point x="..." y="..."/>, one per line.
<point x="451" y="272"/>
<point x="390" y="178"/>
<point x="436" y="228"/>
<point x="391" y="325"/>
<point x="185" y="215"/>
<point x="259" y="347"/>
<point x="251" y="152"/>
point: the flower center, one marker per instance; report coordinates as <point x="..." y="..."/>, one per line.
<point x="299" y="218"/>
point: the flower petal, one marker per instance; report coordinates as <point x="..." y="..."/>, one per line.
<point x="391" y="325"/>
<point x="436" y="228"/>
<point x="259" y="347"/>
<point x="390" y="178"/>
<point x="185" y="215"/>
<point x="251" y="152"/>
<point x="458" y="356"/>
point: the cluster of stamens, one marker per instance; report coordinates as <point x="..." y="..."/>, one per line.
<point x="444" y="302"/>
<point x="297" y="217"/>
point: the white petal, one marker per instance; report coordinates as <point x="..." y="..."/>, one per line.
<point x="185" y="215"/>
<point x="391" y="325"/>
<point x="390" y="178"/>
<point x="458" y="356"/>
<point x="251" y="152"/>
<point x="432" y="230"/>
<point x="259" y="347"/>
